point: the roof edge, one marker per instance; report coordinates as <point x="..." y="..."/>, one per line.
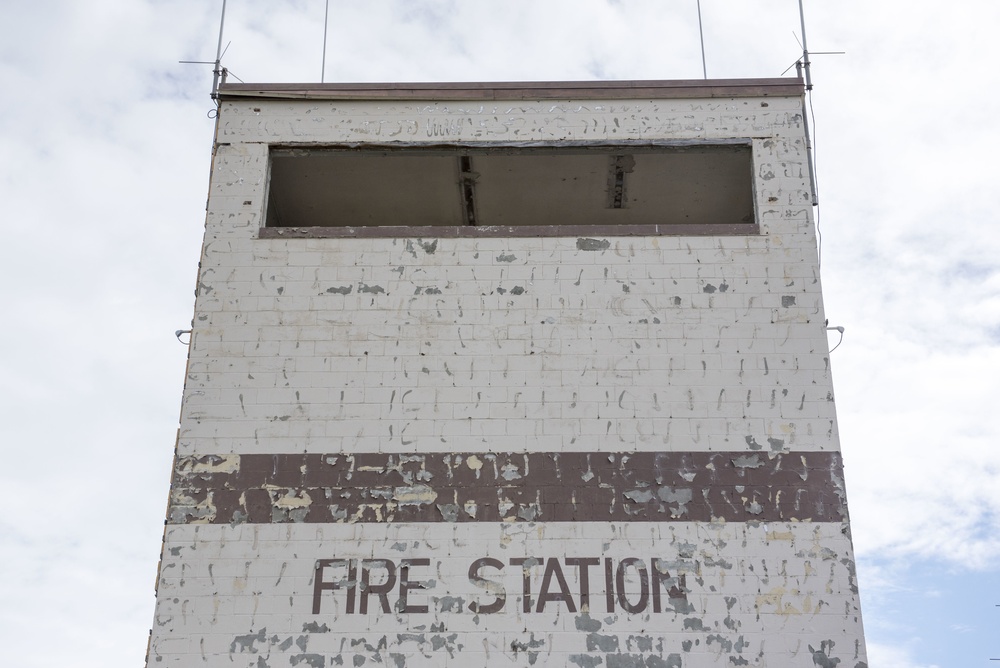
<point x="522" y="90"/>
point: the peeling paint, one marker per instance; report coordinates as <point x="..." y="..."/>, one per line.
<point x="415" y="495"/>
<point x="592" y="244"/>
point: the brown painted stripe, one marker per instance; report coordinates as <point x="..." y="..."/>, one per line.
<point x="492" y="487"/>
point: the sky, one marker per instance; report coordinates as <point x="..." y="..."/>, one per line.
<point x="105" y="148"/>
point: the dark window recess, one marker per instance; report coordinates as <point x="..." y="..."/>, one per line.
<point x="608" y="186"/>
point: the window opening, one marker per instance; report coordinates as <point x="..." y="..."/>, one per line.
<point x="709" y="185"/>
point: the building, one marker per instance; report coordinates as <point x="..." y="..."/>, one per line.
<point x="509" y="374"/>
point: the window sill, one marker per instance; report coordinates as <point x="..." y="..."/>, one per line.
<point x="511" y="231"/>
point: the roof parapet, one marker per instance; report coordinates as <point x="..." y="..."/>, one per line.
<point x="524" y="90"/>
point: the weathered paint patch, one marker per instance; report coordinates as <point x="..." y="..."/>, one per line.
<point x="592" y="244"/>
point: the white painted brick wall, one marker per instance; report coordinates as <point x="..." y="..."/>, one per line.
<point x="663" y="344"/>
<point x="216" y="588"/>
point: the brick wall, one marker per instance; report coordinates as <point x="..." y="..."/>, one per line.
<point x="592" y="451"/>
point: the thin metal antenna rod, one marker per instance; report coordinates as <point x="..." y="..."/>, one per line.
<point x="701" y="34"/>
<point x="805" y="48"/>
<point x="326" y="22"/>
<point x="217" y="72"/>
<point x="804" y="69"/>
<point x="809" y="146"/>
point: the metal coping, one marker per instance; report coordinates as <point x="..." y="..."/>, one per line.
<point x="524" y="90"/>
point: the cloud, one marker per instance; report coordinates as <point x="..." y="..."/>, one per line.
<point x="910" y="269"/>
<point x="888" y="656"/>
<point x="106" y="149"/>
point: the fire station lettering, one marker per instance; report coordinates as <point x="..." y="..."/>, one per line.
<point x="528" y="584"/>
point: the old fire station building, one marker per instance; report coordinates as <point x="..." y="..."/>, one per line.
<point x="509" y="374"/>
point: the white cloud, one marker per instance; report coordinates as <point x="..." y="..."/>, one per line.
<point x="910" y="270"/>
<point x="888" y="656"/>
<point x="103" y="180"/>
